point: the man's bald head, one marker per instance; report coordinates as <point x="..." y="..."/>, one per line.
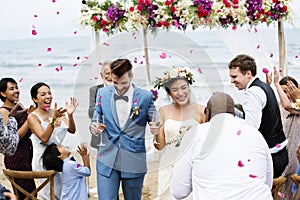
<point x="220" y="102"/>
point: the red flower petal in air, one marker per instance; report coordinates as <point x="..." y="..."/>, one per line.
<point x="105" y="44"/>
<point x="78" y="165"/>
<point x="57" y="12"/>
<point x="252" y="176"/>
<point x="21" y="79"/>
<point x="33" y="26"/>
<point x="49" y="49"/>
<point x="239" y="132"/>
<point x="234" y="27"/>
<point x="271" y="55"/>
<point x="78" y="57"/>
<point x="199" y="70"/>
<point x="39" y="64"/>
<point x="53" y="1"/>
<point x="265" y="70"/>
<point x="296" y="56"/>
<point x="75" y="64"/>
<point x="258" y="46"/>
<point x="280" y="70"/>
<point x="33" y="32"/>
<point x="35" y="15"/>
<point x="240" y="164"/>
<point x="162" y="55"/>
<point x="191" y="51"/>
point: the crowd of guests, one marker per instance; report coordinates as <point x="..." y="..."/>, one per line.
<point x="208" y="152"/>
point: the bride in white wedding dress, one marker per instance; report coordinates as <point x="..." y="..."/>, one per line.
<point x="178" y="118"/>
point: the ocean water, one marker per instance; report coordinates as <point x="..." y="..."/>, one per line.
<point x="73" y="64"/>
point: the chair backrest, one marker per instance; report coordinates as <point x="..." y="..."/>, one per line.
<point x="277" y="183"/>
<point x="49" y="175"/>
<point x="296" y="179"/>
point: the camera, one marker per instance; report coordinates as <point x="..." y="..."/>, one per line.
<point x="2" y="197"/>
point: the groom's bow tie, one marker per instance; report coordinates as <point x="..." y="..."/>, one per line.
<point x="117" y="97"/>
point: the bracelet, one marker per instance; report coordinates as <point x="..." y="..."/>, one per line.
<point x="52" y="121"/>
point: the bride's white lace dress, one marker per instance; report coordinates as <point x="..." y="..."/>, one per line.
<point x="174" y="131"/>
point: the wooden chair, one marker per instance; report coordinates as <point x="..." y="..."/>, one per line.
<point x="277" y="183"/>
<point x="49" y="175"/>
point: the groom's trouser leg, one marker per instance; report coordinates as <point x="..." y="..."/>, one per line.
<point x="108" y="187"/>
<point x="132" y="188"/>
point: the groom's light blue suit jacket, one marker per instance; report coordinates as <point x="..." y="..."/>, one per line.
<point x="125" y="146"/>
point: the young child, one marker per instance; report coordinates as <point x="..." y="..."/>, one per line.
<point x="73" y="183"/>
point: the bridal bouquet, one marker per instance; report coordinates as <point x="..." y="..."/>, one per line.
<point x="178" y="138"/>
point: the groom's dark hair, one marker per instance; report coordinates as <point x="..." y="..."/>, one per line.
<point x="120" y="66"/>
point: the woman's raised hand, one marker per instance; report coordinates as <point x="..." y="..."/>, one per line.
<point x="58" y="112"/>
<point x="72" y="106"/>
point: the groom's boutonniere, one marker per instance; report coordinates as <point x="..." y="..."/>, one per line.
<point x="135" y="110"/>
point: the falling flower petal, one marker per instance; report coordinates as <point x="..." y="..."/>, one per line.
<point x="191" y="51"/>
<point x="100" y="97"/>
<point x="96" y="78"/>
<point x="86" y="57"/>
<point x="265" y="70"/>
<point x="99" y="104"/>
<point x="144" y="56"/>
<point x="78" y="165"/>
<point x="75" y="64"/>
<point x="53" y="1"/>
<point x="280" y="195"/>
<point x="199" y="70"/>
<point x="33" y="32"/>
<point x="271" y="55"/>
<point x="296" y="56"/>
<point x="258" y="46"/>
<point x="249" y="30"/>
<point x="280" y="70"/>
<point x="49" y="49"/>
<point x="21" y="79"/>
<point x="239" y="132"/>
<point x="39" y="64"/>
<point x="134" y="37"/>
<point x="57" y="12"/>
<point x="100" y="155"/>
<point x="248" y="160"/>
<point x="255" y="30"/>
<point x="240" y="164"/>
<point x="252" y="176"/>
<point x="105" y="44"/>
<point x="135" y="60"/>
<point x="278" y="145"/>
<point x="75" y="32"/>
<point x="78" y="57"/>
<point x="141" y="62"/>
<point x="35" y="15"/>
<point x="163" y="55"/>
<point x="100" y="63"/>
<point x="234" y="27"/>
<point x="33" y="26"/>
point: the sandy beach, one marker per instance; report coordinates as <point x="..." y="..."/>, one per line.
<point x="149" y="188"/>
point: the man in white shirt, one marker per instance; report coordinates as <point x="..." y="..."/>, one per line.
<point x="261" y="108"/>
<point x="227" y="159"/>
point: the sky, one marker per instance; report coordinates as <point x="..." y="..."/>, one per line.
<point x="56" y="19"/>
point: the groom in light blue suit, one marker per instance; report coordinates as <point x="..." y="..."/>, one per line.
<point x="126" y="110"/>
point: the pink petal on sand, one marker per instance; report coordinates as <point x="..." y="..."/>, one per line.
<point x="105" y="44"/>
<point x="162" y="55"/>
<point x="252" y="176"/>
<point x="33" y="32"/>
<point x="265" y="70"/>
<point x="21" y="79"/>
<point x="278" y="145"/>
<point x="240" y="164"/>
<point x="49" y="49"/>
<point x="258" y="46"/>
<point x="239" y="132"/>
<point x="199" y="70"/>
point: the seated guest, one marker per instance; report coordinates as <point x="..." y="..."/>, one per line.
<point x="226" y="159"/>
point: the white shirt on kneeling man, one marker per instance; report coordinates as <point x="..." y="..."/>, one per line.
<point x="226" y="158"/>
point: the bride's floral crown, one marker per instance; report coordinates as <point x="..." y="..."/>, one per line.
<point x="177" y="73"/>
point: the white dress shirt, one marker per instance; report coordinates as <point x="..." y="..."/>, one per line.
<point x="123" y="107"/>
<point x="226" y="159"/>
<point x="254" y="100"/>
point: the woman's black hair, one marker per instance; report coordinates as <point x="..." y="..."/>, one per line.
<point x="3" y="86"/>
